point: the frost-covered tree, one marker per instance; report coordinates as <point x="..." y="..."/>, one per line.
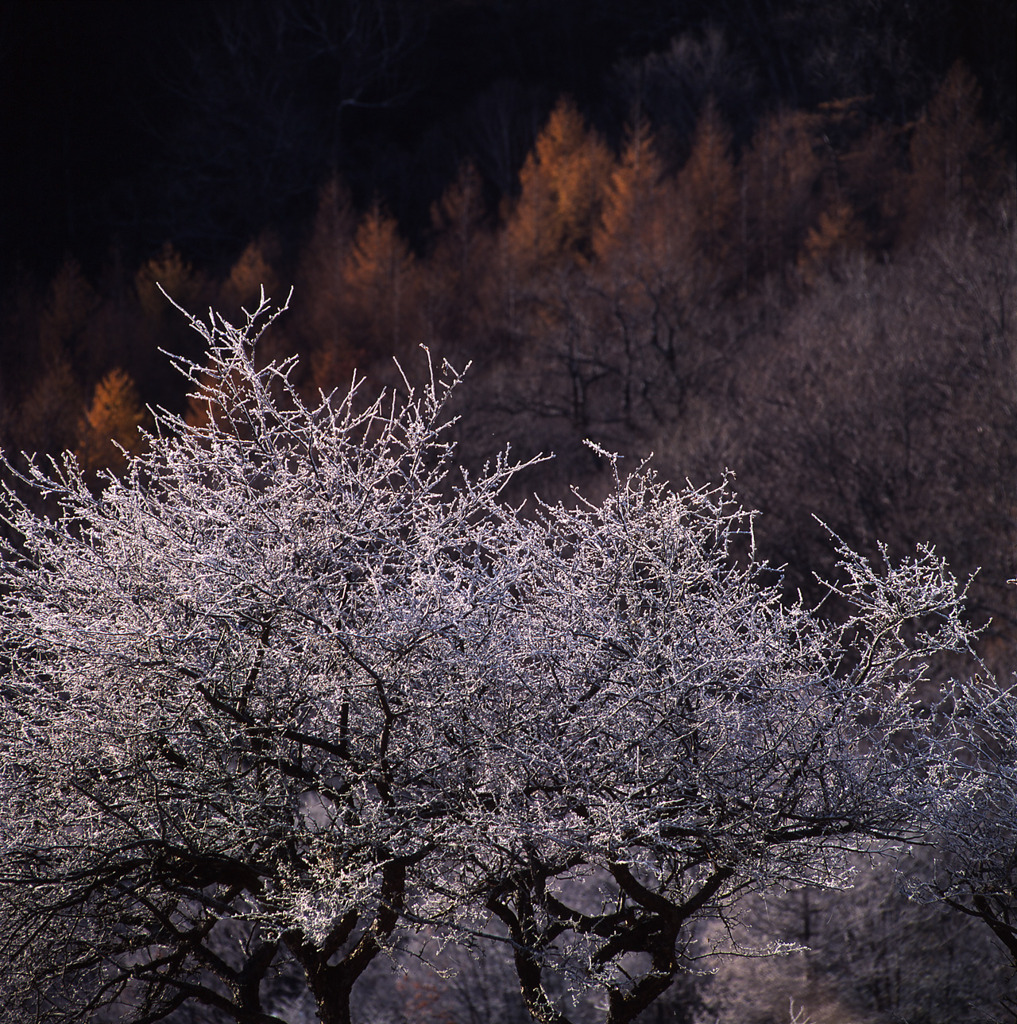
<point x="293" y="685"/>
<point x="689" y="739"/>
<point x="975" y="822"/>
<point x="227" y="683"/>
<point x="867" y="954"/>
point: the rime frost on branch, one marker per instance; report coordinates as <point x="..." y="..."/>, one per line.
<point x="295" y="685"/>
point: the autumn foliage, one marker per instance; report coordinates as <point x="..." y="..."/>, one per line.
<point x="109" y="429"/>
<point x="639" y="289"/>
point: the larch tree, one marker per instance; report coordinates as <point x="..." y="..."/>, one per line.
<point x="836" y="232"/>
<point x="71" y="304"/>
<point x="457" y="264"/>
<point x="457" y="218"/>
<point x="779" y="176"/>
<point x="320" y="326"/>
<point x="249" y="274"/>
<point x="168" y="270"/>
<point x="548" y="228"/>
<point x="954" y="161"/>
<point x="109" y="430"/>
<point x="648" y="314"/>
<point x="634" y="209"/>
<point x="561" y="186"/>
<point x="379" y="280"/>
<point x="294" y="685"/>
<point x="48" y="416"/>
<point x="707" y="188"/>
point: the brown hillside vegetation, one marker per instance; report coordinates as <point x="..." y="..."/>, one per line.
<point x="828" y="314"/>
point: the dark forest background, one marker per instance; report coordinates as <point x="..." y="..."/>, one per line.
<point x="767" y="237"/>
<point x="205" y="123"/>
<point x="774" y="238"/>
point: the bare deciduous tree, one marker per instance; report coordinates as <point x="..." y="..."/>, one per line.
<point x="294" y="686"/>
<point x="976" y="826"/>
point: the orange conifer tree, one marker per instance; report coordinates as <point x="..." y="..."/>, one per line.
<point x="379" y="282"/>
<point x="836" y="231"/>
<point x="46" y="417"/>
<point x="562" y="184"/>
<point x="251" y="272"/>
<point x="457" y="218"/>
<point x="111" y="423"/>
<point x="458" y="262"/>
<point x="319" y="320"/>
<point x="170" y="271"/>
<point x="953" y="159"/>
<point x="72" y="300"/>
<point x="635" y="199"/>
<point x="779" y="194"/>
<point x="708" y="189"/>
